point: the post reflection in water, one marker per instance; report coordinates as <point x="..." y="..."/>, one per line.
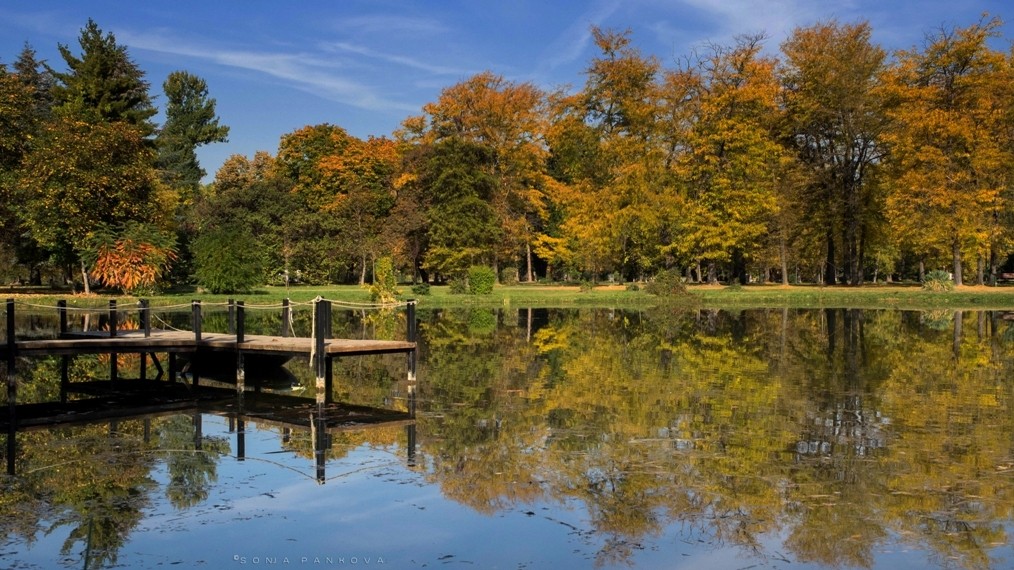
<point x="821" y="438"/>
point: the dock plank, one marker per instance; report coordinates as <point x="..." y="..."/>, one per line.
<point x="184" y="341"/>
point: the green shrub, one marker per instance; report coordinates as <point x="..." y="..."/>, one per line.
<point x="458" y="286"/>
<point x="509" y="276"/>
<point x="421" y="288"/>
<point x="586" y="286"/>
<point x="633" y="287"/>
<point x="481" y="280"/>
<point x="385" y="284"/>
<point x="937" y="280"/>
<point x="228" y="260"/>
<point x="667" y="283"/>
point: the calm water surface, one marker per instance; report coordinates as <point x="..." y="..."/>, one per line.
<point x="565" y="439"/>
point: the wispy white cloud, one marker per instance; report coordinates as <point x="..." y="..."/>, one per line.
<point x="401" y="60"/>
<point x="306" y="71"/>
<point x="384" y="23"/>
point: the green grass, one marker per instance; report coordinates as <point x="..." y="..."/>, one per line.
<point x="551" y="296"/>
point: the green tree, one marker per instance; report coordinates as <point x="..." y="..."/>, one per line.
<point x="103" y="84"/>
<point x="463" y="227"/>
<point x="190" y="122"/>
<point x="228" y="259"/>
<point x="253" y="194"/>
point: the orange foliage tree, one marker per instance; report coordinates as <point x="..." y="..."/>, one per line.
<point x="132" y="258"/>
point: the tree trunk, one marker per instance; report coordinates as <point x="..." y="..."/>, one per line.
<point x="980" y="271"/>
<point x="528" y="253"/>
<point x="956" y="256"/>
<point x="783" y="254"/>
<point x="362" y="272"/>
<point x="84" y="279"/>
<point x="712" y="273"/>
<point x="922" y="271"/>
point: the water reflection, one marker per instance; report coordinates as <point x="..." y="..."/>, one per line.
<point x="826" y="438"/>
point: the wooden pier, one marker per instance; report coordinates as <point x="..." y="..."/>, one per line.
<point x="117" y="396"/>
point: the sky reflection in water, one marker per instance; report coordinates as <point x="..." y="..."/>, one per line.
<point x="570" y="439"/>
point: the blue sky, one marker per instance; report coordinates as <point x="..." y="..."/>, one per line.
<point x="366" y="65"/>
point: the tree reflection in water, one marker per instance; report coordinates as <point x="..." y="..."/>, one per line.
<point x="841" y="431"/>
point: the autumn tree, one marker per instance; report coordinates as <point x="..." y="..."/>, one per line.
<point x="836" y="121"/>
<point x="730" y="160"/>
<point x="506" y="118"/>
<point x="25" y="106"/>
<point x="953" y="155"/>
<point x="93" y="162"/>
<point x="611" y="191"/>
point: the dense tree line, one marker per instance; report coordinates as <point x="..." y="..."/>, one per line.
<point x="832" y="161"/>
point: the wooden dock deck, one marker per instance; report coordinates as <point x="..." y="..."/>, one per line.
<point x="184" y="341"/>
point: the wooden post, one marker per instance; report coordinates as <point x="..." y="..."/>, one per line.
<point x="61" y="309"/>
<point x="240" y="317"/>
<point x="286" y="315"/>
<point x="113" y="317"/>
<point x="232" y="316"/>
<point x="240" y="322"/>
<point x="144" y="310"/>
<point x="319" y="357"/>
<point x="196" y="319"/>
<point x="144" y="306"/>
<point x="410" y="335"/>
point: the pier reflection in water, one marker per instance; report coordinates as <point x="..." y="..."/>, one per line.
<point x="569" y="438"/>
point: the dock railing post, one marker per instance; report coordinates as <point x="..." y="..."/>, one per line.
<point x="410" y="336"/>
<point x="319" y="356"/>
<point x="196" y="319"/>
<point x="232" y="316"/>
<point x="112" y="317"/>
<point x="144" y="307"/>
<point x="240" y="322"/>
<point x="285" y="317"/>
<point x="61" y="310"/>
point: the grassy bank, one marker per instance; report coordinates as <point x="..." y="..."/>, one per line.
<point x="869" y="296"/>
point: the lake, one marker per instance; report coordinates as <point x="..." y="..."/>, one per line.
<point x="664" y="438"/>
